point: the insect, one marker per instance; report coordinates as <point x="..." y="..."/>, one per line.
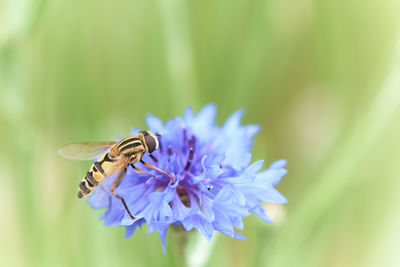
<point x="115" y="157"/>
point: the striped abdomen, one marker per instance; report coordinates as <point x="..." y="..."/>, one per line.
<point x="95" y="175"/>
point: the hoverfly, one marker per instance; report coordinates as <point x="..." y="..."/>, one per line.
<point x="115" y="158"/>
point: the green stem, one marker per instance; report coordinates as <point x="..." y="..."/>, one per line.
<point x="198" y="250"/>
<point x="190" y="249"/>
<point x="180" y="240"/>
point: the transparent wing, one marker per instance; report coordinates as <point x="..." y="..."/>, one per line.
<point x="84" y="151"/>
<point x="118" y="165"/>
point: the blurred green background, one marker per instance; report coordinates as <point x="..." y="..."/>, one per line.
<point x="322" y="78"/>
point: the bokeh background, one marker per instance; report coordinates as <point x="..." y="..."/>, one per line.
<point x="322" y="78"/>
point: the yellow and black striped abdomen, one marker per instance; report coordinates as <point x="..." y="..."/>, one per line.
<point x="95" y="175"/>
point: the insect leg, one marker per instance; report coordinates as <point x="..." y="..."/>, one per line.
<point x="153" y="158"/>
<point x="154" y="167"/>
<point x="116" y="183"/>
<point x="139" y="170"/>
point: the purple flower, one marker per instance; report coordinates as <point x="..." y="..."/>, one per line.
<point x="215" y="187"/>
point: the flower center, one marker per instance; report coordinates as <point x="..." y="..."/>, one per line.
<point x="183" y="196"/>
<point x="186" y="154"/>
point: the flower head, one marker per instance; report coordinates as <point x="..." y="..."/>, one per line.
<point x="215" y="184"/>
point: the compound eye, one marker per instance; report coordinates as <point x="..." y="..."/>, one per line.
<point x="151" y="143"/>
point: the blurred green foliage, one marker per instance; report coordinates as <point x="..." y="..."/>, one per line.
<point x="320" y="77"/>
